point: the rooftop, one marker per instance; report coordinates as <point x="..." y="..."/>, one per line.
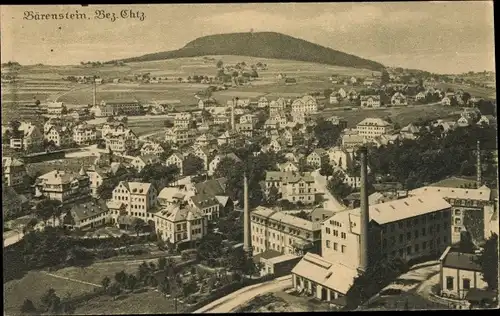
<point x="395" y="210"/>
<point x="286" y="218"/>
<point x="481" y="194"/>
<point x="458" y="260"/>
<point x="334" y="276"/>
<point x="289" y="177"/>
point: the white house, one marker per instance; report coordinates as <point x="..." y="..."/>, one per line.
<point x="459" y="273"/>
<point x="399" y="99"/>
<point x="263" y="102"/>
<point x="370" y="101"/>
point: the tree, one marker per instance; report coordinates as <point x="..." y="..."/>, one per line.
<point x="220" y="64"/>
<point x="466" y="244"/>
<point x="385" y="77"/>
<point x="50" y="300"/>
<point x="162" y="263"/>
<point x="273" y="195"/>
<point x="326" y="169"/>
<point x="489" y="262"/>
<point x="28" y="307"/>
<point x="254" y="74"/>
<point x="124" y="120"/>
<point x="131" y="282"/>
<point x="121" y="278"/>
<point x="326" y="133"/>
<point x="235" y="74"/>
<point x="47" y="209"/>
<point x="337" y="187"/>
<point x="106" y="281"/>
<point x="138" y="225"/>
<point x="113" y="289"/>
<point x="327" y="92"/>
<point x="193" y="165"/>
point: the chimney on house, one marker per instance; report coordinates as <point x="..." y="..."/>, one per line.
<point x="247" y="242"/>
<point x="478" y="165"/>
<point x="364" y="210"/>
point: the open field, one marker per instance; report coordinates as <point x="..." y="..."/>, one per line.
<point x="97" y="271"/>
<point x="146" y="127"/>
<point x="150" y="302"/>
<point x="33" y="285"/>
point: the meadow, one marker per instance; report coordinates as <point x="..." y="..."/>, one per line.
<point x="33" y="285"/>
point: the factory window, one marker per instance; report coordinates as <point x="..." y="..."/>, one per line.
<point x="457" y="213"/>
<point x="458" y="221"/>
<point x="343" y="235"/>
<point x="327" y="229"/>
<point x="449" y="283"/>
<point x="466" y="284"/>
<point x="336" y="233"/>
<point x="343" y="248"/>
<point x="335" y="246"/>
<point x="327" y="244"/>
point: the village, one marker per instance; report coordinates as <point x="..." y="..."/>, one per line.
<point x="86" y="173"/>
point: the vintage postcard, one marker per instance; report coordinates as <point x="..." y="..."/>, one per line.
<point x="231" y="158"/>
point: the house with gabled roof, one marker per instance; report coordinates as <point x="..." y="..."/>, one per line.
<point x="176" y="159"/>
<point x="133" y="199"/>
<point x="291" y="186"/>
<point x="317" y="158"/>
<point x="152" y="148"/>
<point x="215" y="162"/>
<point x="138" y="163"/>
<point x="180" y="223"/>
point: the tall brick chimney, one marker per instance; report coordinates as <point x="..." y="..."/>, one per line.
<point x="232" y="113"/>
<point x="478" y="165"/>
<point x="94" y="94"/>
<point x="247" y="241"/>
<point x="364" y="212"/>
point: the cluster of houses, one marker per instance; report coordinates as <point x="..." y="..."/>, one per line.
<point x="402" y="95"/>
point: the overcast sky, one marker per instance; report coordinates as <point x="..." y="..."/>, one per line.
<point x="443" y="37"/>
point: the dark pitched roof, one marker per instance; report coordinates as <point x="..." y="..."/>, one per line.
<point x="204" y="200"/>
<point x="464" y="261"/>
<point x="212" y="187"/>
<point x="268" y="254"/>
<point x="89" y="209"/>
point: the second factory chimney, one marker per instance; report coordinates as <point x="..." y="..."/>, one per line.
<point x="364" y="212"/>
<point x="247" y="241"/>
<point x="479" y="179"/>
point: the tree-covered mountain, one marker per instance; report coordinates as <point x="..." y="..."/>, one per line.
<point x="263" y="45"/>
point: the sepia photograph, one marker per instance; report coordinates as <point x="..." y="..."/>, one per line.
<point x="249" y="158"/>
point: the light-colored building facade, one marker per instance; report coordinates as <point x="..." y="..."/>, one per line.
<point x="292" y="186"/>
<point x="63" y="186"/>
<point x="136" y="198"/>
<point x="460" y="272"/>
<point x="467" y="207"/>
<point x="285" y="233"/>
<point x="373" y="127"/>
<point x="407" y="228"/>
<point x="178" y="223"/>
